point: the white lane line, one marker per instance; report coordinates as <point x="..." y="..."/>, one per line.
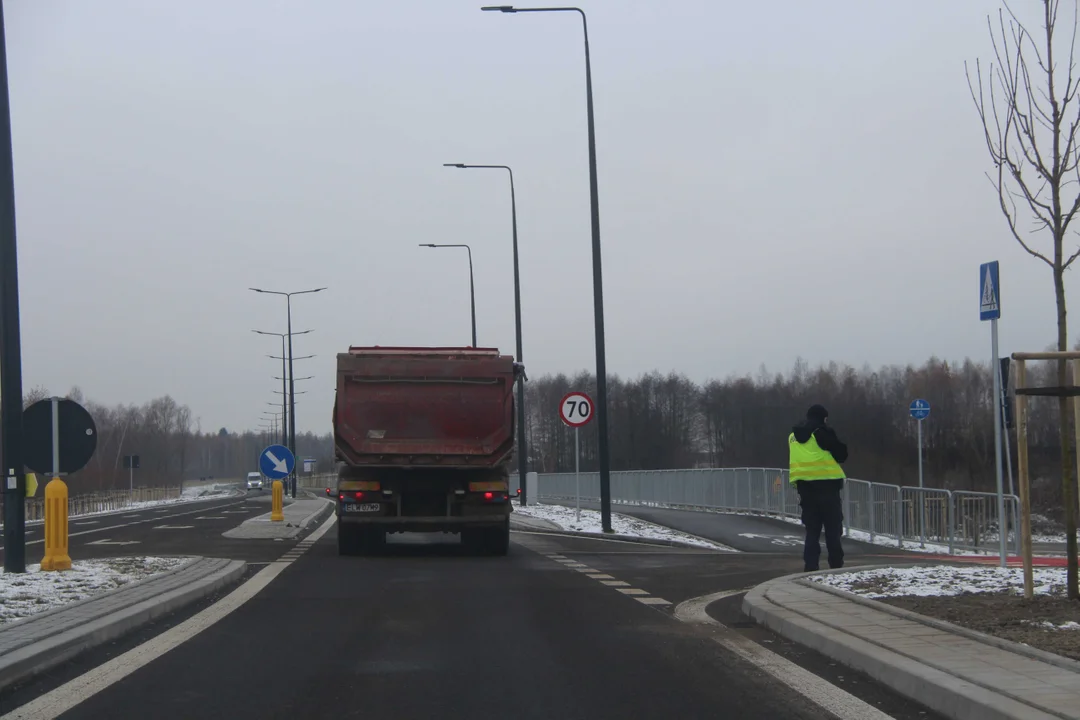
<point x="632" y="591"/>
<point x="211" y="517"/>
<point x="85" y="522"/>
<point x="818" y="690"/>
<point x="121" y="525"/>
<point x="615" y="583"/>
<point x="653" y="600"/>
<point x="59" y="701"/>
<point x="599" y="576"/>
<point x="586" y="570"/>
<point x="173" y="527"/>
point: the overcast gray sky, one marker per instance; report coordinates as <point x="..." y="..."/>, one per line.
<point x="776" y="179"/>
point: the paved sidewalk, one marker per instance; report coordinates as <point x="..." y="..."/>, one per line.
<point x="42" y="641"/>
<point x="960" y="673"/>
<point x="299" y="513"/>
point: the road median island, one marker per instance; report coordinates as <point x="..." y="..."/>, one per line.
<point x="300" y="513"/>
<point x="39" y="641"/>
<point x="860" y="618"/>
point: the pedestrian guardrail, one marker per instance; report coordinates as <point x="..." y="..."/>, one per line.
<point x="876" y="512"/>
<point x="99" y="502"/>
<point x="317" y="482"/>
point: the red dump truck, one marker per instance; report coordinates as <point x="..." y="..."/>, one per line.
<point x="426" y="437"/>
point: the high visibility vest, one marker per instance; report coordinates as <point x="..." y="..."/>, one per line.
<point x="809" y="462"/>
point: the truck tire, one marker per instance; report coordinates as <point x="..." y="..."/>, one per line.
<point x="498" y="540"/>
<point x="346" y="539"/>
<point x="371" y="541"/>
<point x="487" y="541"/>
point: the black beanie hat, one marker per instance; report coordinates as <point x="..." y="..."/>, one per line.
<point x="817" y="412"/>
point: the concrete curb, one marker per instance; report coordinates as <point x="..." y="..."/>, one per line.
<point x="627" y="538"/>
<point x="948" y="694"/>
<point x="308" y="520"/>
<point x="1034" y="653"/>
<point x="51" y="650"/>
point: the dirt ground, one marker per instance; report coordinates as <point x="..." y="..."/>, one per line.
<point x="1005" y="616"/>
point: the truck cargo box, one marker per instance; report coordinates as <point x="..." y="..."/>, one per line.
<point x="424" y="407"/>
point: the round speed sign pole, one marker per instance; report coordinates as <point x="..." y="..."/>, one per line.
<point x="576" y="410"/>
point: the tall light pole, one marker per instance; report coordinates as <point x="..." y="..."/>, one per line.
<point x="284" y="414"/>
<point x="523" y="453"/>
<point x="292" y="408"/>
<point x="11" y="397"/>
<point x="472" y="287"/>
<point x="598" y="289"/>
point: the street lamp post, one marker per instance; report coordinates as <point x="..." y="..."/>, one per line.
<point x="284" y="414"/>
<point x="472" y="287"/>
<point x="11" y="397"/>
<point x="598" y="291"/>
<point x="292" y="408"/>
<point x="522" y="448"/>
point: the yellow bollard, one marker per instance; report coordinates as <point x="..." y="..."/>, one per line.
<point x="56" y="527"/>
<point x="277" y="498"/>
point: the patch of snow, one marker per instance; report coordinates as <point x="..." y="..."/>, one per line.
<point x="1047" y="625"/>
<point x="943" y="580"/>
<point x="25" y="594"/>
<point x="566" y="518"/>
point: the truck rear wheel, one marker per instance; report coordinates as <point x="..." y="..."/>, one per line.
<point x="354" y="540"/>
<point x="498" y="540"/>
<point x="487" y="541"/>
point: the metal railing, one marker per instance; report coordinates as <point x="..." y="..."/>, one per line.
<point x="317" y="482"/>
<point x="876" y="512"/>
<point x="100" y="502"/>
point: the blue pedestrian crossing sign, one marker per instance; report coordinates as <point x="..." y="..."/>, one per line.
<point x="989" y="291"/>
<point x="920" y="409"/>
<point x="276" y="462"/>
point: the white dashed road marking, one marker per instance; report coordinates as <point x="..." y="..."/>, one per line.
<point x="642" y="596"/>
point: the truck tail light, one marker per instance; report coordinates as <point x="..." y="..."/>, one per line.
<point x="359" y="495"/>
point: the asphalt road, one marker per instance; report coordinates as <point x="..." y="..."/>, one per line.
<point x="429" y="631"/>
<point x="182" y="529"/>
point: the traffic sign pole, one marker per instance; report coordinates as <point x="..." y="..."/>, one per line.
<point x="990" y="309"/>
<point x="920" y="410"/>
<point x="577" y="469"/>
<point x="576" y="409"/>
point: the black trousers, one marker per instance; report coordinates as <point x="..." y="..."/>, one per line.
<point x="822" y="508"/>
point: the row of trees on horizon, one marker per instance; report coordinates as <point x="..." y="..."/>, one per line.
<point x="661" y="421"/>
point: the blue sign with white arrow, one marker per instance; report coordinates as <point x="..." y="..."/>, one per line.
<point x="920" y="409"/>
<point x="276" y="462"/>
<point x="989" y="291"/>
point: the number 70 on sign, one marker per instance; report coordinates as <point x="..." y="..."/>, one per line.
<point x="576" y="409"/>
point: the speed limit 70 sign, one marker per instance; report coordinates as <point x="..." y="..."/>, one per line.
<point x="576" y="409"/>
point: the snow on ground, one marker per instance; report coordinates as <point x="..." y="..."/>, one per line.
<point x="1047" y="625"/>
<point x="943" y="580"/>
<point x="33" y="592"/>
<point x="566" y="518"/>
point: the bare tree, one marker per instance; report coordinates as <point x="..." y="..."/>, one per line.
<point x="1028" y="105"/>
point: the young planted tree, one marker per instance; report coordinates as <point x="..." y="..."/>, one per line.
<point x="1027" y="101"/>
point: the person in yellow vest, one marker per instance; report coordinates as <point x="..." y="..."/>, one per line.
<point x="815" y="454"/>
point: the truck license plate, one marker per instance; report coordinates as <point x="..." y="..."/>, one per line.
<point x="363" y="507"/>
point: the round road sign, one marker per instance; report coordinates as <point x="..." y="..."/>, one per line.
<point x="919" y="409"/>
<point x="78" y="436"/>
<point x="576" y="409"/>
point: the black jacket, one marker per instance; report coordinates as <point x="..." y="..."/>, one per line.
<point x="825" y="436"/>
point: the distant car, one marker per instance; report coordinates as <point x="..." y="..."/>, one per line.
<point x="254" y="481"/>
